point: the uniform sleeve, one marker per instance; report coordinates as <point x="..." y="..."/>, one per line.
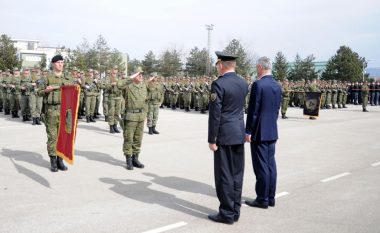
<point x="215" y="109"/>
<point x="253" y="109"/>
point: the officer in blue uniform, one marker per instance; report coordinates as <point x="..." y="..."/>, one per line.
<point x="226" y="137"/>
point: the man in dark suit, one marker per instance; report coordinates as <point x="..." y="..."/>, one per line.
<point x="226" y="137"/>
<point x="261" y="132"/>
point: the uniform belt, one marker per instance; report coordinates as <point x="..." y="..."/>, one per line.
<point x="55" y="104"/>
<point x="134" y="110"/>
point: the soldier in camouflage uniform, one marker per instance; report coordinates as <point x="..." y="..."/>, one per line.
<point x="90" y="98"/>
<point x="50" y="90"/>
<point x="98" y="91"/>
<point x="174" y="92"/>
<point x="1" y="91"/>
<point x="114" y="100"/>
<point x="35" y="101"/>
<point x="7" y="92"/>
<point x="285" y="96"/>
<point x="15" y="93"/>
<point x="364" y="95"/>
<point x="25" y="90"/>
<point x="136" y="96"/>
<point x="187" y="89"/>
<point x="204" y="93"/>
<point x="155" y="98"/>
<point x="103" y="84"/>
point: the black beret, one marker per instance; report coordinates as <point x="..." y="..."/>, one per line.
<point x="57" y="58"/>
<point x="222" y="56"/>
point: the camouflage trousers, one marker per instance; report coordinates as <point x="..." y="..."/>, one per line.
<point x="1" y="99"/>
<point x="340" y="99"/>
<point x="6" y="101"/>
<point x="364" y="100"/>
<point x="24" y="105"/>
<point x="105" y="104"/>
<point x="334" y="98"/>
<point x="328" y="98"/>
<point x="35" y="105"/>
<point x="15" y="102"/>
<point x="186" y="99"/>
<point x="52" y="125"/>
<point x="284" y="105"/>
<point x="90" y="105"/>
<point x="133" y="134"/>
<point x="203" y="101"/>
<point x="153" y="110"/>
<point x="97" y="103"/>
<point x="114" y="105"/>
<point x="173" y="99"/>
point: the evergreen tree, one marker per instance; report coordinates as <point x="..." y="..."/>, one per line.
<point x="280" y="67"/>
<point x="150" y="63"/>
<point x="345" y="65"/>
<point x="197" y="62"/>
<point x="170" y="63"/>
<point x="244" y="62"/>
<point x="8" y="54"/>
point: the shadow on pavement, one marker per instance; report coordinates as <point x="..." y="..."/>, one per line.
<point x="182" y="184"/>
<point x="140" y="191"/>
<point x="100" y="157"/>
<point x="29" y="157"/>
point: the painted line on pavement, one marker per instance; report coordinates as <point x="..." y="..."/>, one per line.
<point x="282" y="194"/>
<point x="335" y="177"/>
<point x="166" y="228"/>
<point x="278" y="195"/>
<point x="375" y="164"/>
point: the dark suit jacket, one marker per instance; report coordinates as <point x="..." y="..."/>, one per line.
<point x="264" y="104"/>
<point x="226" y="116"/>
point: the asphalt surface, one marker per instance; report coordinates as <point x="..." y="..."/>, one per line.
<point x="328" y="178"/>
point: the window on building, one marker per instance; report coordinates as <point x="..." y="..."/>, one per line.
<point x="30" y="45"/>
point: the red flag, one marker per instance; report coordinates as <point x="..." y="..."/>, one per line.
<point x="68" y="122"/>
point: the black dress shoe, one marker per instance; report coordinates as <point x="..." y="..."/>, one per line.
<point x="272" y="203"/>
<point x="257" y="204"/>
<point x="218" y="218"/>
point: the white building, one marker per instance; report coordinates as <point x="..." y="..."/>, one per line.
<point x="32" y="53"/>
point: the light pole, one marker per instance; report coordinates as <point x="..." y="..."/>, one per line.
<point x="209" y="28"/>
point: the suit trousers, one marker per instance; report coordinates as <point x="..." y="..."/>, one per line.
<point x="264" y="167"/>
<point x="228" y="172"/>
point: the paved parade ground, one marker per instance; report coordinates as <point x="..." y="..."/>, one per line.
<point x="328" y="178"/>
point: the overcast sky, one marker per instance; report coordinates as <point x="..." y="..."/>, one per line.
<point x="306" y="27"/>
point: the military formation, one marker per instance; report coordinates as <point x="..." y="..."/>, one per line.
<point x="33" y="95"/>
<point x="334" y="94"/>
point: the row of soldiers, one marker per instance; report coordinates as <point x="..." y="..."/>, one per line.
<point x="334" y="94"/>
<point x="18" y="91"/>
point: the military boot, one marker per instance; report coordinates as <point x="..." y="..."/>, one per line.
<point x="365" y="110"/>
<point x="34" y="121"/>
<point x="87" y="119"/>
<point x="79" y="116"/>
<point x="150" y="130"/>
<point x="16" y="114"/>
<point x="187" y="109"/>
<point x="339" y="106"/>
<point x="53" y="164"/>
<point x="129" y="163"/>
<point x="92" y="119"/>
<point x="136" y="162"/>
<point x="38" y="121"/>
<point x="6" y="112"/>
<point x="96" y="116"/>
<point x="61" y="166"/>
<point x="203" y="111"/>
<point x="115" y="128"/>
<point x="284" y="116"/>
<point x="112" y="129"/>
<point x="154" y="130"/>
<point x="24" y="118"/>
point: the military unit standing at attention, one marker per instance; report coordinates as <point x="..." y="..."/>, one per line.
<point x="334" y="94"/>
<point x="34" y="95"/>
